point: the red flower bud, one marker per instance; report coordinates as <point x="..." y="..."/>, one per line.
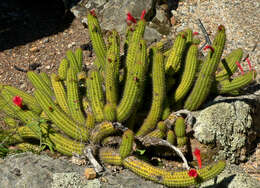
<point x="143" y="14"/>
<point x="209" y="47"/>
<point x="193" y="173"/>
<point x="197" y="155"/>
<point x="249" y="63"/>
<point x="93" y="13"/>
<point x="18" y="101"/>
<point x="130" y="18"/>
<point x="240" y="67"/>
<point x="195" y="33"/>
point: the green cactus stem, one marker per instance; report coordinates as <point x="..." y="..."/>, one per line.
<point x="171" y="137"/>
<point x="180" y="127"/>
<point x="101" y="131"/>
<point x="173" y="63"/>
<point x="95" y="94"/>
<point x="73" y="97"/>
<point x="134" y="85"/>
<point x="63" y="68"/>
<point x="110" y="156"/>
<point x="228" y="66"/>
<point x="126" y="144"/>
<point x="59" y="118"/>
<point x="79" y="58"/>
<point x="170" y="178"/>
<point x="60" y="93"/>
<point x="96" y="37"/>
<point x="158" y="94"/>
<point x="241" y="81"/>
<point x="28" y="100"/>
<point x="188" y="76"/>
<point x="110" y="112"/>
<point x="10" y="122"/>
<point x="46" y="78"/>
<point x="205" y="78"/>
<point x="73" y="61"/>
<point x="39" y="83"/>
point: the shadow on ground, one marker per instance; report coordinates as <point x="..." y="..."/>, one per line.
<point x="28" y="20"/>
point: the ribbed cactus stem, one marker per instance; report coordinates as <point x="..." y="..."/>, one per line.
<point x="172" y="178"/>
<point x="134" y="85"/>
<point x="59" y="118"/>
<point x="158" y="94"/>
<point x="62" y="71"/>
<point x="173" y="63"/>
<point x="110" y="156"/>
<point x="101" y="131"/>
<point x="73" y="97"/>
<point x="126" y="144"/>
<point x="95" y="94"/>
<point x="60" y="93"/>
<point x="188" y="76"/>
<point x="96" y="37"/>
<point x="180" y="127"/>
<point x="205" y="78"/>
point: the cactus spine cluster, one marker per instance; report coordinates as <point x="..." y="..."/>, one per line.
<point x="85" y="105"/>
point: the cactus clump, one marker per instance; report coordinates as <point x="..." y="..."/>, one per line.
<point x="74" y="107"/>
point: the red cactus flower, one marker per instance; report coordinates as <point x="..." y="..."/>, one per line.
<point x="249" y="63"/>
<point x="221" y="27"/>
<point x="197" y="155"/>
<point x="193" y="173"/>
<point x="209" y="47"/>
<point x="195" y="33"/>
<point x="240" y="67"/>
<point x="18" y="101"/>
<point x="130" y="18"/>
<point x="93" y="13"/>
<point x="143" y="14"/>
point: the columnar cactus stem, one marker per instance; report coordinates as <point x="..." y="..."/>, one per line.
<point x="73" y="97"/>
<point x="60" y="93"/>
<point x="158" y="94"/>
<point x="110" y="156"/>
<point x="126" y="144"/>
<point x="173" y="63"/>
<point x="95" y="94"/>
<point x="205" y="78"/>
<point x="188" y="74"/>
<point x="59" y="118"/>
<point x="62" y="71"/>
<point x="96" y="37"/>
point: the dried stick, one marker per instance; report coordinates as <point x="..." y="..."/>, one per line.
<point x="88" y="153"/>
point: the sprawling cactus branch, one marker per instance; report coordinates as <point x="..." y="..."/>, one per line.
<point x="139" y="90"/>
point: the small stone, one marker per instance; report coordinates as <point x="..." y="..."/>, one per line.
<point x="173" y="20"/>
<point x="34" y="49"/>
<point x="23" y="86"/>
<point x="104" y="180"/>
<point x="71" y="44"/>
<point x="90" y="173"/>
<point x="48" y="67"/>
<point x="45" y="40"/>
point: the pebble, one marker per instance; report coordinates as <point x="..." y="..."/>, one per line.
<point x="23" y="86"/>
<point x="48" y="67"/>
<point x="71" y="44"/>
<point x="45" y="40"/>
<point x="34" y="49"/>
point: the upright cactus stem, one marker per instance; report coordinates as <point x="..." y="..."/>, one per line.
<point x="206" y="77"/>
<point x="96" y="37"/>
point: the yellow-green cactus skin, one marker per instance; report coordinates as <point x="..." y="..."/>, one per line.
<point x="60" y="93"/>
<point x="110" y="156"/>
<point x="101" y="131"/>
<point x="96" y="37"/>
<point x="46" y="78"/>
<point x="62" y="70"/>
<point x="95" y="94"/>
<point x="188" y="75"/>
<point x="126" y="144"/>
<point x="158" y="94"/>
<point x="180" y="127"/>
<point x="73" y="97"/>
<point x="206" y="77"/>
<point x="173" y="63"/>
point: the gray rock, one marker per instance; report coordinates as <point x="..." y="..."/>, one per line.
<point x="229" y="124"/>
<point x="232" y="177"/>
